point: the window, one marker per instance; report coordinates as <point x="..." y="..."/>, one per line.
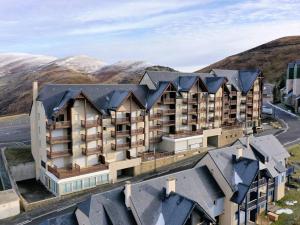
<point x="77" y="185"/>
<point x="86" y="183"/>
<point x="93" y="181"/>
<point x="102" y="179"/>
<point x="67" y="187"/>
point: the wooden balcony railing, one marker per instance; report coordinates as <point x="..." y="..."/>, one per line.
<point x="190" y="100"/>
<point x="91" y="137"/>
<point x="147" y="156"/>
<point x="59" y="154"/>
<point x="168" y="123"/>
<point x="137" y="119"/>
<point x="211" y="109"/>
<point x="137" y="143"/>
<point x="124" y="146"/>
<point x="166" y="112"/>
<point x="189" y="121"/>
<point x="189" y="111"/>
<point x="155" y="127"/>
<point x="155" y="116"/>
<point x="137" y="131"/>
<point x="233" y="102"/>
<point x="92" y="151"/>
<point x="242" y="110"/>
<point x="59" y="125"/>
<point x="233" y="93"/>
<point x="121" y="133"/>
<point x="58" y="140"/>
<point x="232" y="111"/>
<point x="90" y="123"/>
<point x="120" y="120"/>
<point x="185" y="133"/>
<point x="75" y="170"/>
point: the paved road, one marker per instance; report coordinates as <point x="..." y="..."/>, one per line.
<point x="291" y="134"/>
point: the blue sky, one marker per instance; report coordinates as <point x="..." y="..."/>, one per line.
<point x="184" y="34"/>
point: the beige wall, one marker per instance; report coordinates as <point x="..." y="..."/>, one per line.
<point x="9" y="204"/>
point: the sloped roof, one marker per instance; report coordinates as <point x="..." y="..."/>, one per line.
<point x="103" y="96"/>
<point x="240" y="173"/>
<point x="146" y="196"/>
<point x="231" y="75"/>
<point x="269" y="151"/>
<point x="157" y="76"/>
<point x="107" y="208"/>
<point x="214" y="83"/>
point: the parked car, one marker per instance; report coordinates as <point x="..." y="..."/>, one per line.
<point x="267" y="110"/>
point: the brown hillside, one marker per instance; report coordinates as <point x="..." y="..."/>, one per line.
<point x="271" y="58"/>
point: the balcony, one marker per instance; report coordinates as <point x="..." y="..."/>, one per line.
<point x="124" y="146"/>
<point x="147" y="156"/>
<point x="137" y="131"/>
<point x="203" y="110"/>
<point x="233" y="93"/>
<point x="232" y="111"/>
<point x="124" y="120"/>
<point x="249" y="102"/>
<point x="92" y="151"/>
<point x="91" y="137"/>
<point x="233" y="102"/>
<point x="59" y="125"/>
<point x="190" y="100"/>
<point x="168" y="123"/>
<point x="155" y="127"/>
<point x="137" y="143"/>
<point x="121" y="133"/>
<point x="261" y="183"/>
<point x="252" y="204"/>
<point x="58" y="140"/>
<point x="90" y="123"/>
<point x="59" y="154"/>
<point x="167" y="112"/>
<point x="154" y="140"/>
<point x="168" y="101"/>
<point x="155" y="116"/>
<point x="137" y="119"/>
<point x="75" y="170"/>
<point x="189" y="121"/>
<point x="185" y="133"/>
<point x="242" y="110"/>
<point x="243" y="101"/>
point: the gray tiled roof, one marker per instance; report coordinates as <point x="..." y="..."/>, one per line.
<point x="240" y="173"/>
<point x="214" y="83"/>
<point x="242" y="80"/>
<point x="146" y="196"/>
<point x="103" y="96"/>
<point x="107" y="208"/>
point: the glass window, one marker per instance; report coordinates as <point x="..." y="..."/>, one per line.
<point x="86" y="183"/>
<point x="104" y="178"/>
<point x="93" y="181"/>
<point x="77" y="185"/>
<point x="67" y="187"/>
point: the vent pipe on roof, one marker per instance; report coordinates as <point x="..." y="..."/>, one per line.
<point x="238" y="155"/>
<point x="127" y="193"/>
<point x="170" y="185"/>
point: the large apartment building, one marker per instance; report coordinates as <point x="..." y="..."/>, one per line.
<point x="228" y="186"/>
<point x="290" y="95"/>
<point x="86" y="135"/>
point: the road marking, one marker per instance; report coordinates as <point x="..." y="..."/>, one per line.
<point x="24" y="222"/>
<point x="63" y="208"/>
<point x="290" y="142"/>
<point x="277" y="107"/>
<point x="286" y="127"/>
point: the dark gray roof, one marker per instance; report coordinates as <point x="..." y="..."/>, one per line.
<point x="146" y="196"/>
<point x="157" y="76"/>
<point x="240" y="173"/>
<point x="154" y="95"/>
<point x="103" y="96"/>
<point x="242" y="80"/>
<point x="269" y="151"/>
<point x="107" y="208"/>
<point x="214" y="83"/>
<point x="65" y="219"/>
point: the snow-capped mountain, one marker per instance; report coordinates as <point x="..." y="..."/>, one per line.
<point x="81" y="63"/>
<point x="18" y="71"/>
<point x="11" y="63"/>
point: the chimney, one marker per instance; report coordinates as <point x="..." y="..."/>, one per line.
<point x="127" y="193"/>
<point x="170" y="185"/>
<point x="238" y="155"/>
<point x="34" y="90"/>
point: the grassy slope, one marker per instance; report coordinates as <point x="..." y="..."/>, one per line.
<point x="271" y="58"/>
<point x="293" y="219"/>
<point x="15" y="156"/>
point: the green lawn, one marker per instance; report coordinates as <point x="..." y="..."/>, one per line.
<point x="15" y="156"/>
<point x="292" y="194"/>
